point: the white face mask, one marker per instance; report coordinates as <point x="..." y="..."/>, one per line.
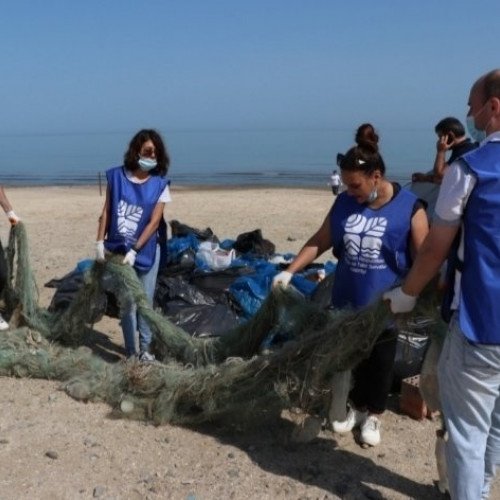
<point x="146" y="164"/>
<point x="372" y="196"/>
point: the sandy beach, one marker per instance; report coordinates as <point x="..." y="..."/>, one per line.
<point x="52" y="447"/>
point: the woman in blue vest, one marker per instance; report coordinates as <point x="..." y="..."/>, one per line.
<point x="131" y="224"/>
<point x="374" y="228"/>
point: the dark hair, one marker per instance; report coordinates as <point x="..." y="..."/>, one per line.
<point x="132" y="154"/>
<point x="366" y="132"/>
<point x="491" y="84"/>
<point x="365" y="156"/>
<point x="450" y="124"/>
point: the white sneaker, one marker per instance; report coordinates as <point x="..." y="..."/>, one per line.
<point x="354" y="418"/>
<point x="3" y="324"/>
<point x="370" y="431"/>
<point x="146" y="357"/>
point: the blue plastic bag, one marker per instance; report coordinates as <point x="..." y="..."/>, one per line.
<point x="178" y="245"/>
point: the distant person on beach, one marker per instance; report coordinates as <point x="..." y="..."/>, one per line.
<point x="451" y="138"/>
<point x="131" y="224"/>
<point x="374" y="228"/>
<point x="13" y="219"/>
<point x="335" y="182"/>
<point x="469" y="365"/>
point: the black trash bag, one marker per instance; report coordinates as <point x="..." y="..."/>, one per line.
<point x="180" y="229"/>
<point x="412" y="345"/>
<point x="203" y="320"/>
<point x="67" y="288"/>
<point x="193" y="309"/>
<point x="216" y="283"/>
<point x="183" y="267"/>
<point x="176" y="288"/>
<point x="323" y="293"/>
<point x="254" y="242"/>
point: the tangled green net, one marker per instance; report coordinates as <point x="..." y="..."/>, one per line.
<point x="197" y="379"/>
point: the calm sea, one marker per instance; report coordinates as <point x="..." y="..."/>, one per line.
<point x="209" y="157"/>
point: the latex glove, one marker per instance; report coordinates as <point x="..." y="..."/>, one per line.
<point x="282" y="279"/>
<point x="130" y="257"/>
<point x="400" y="301"/>
<point x="99" y="251"/>
<point x="13" y="218"/>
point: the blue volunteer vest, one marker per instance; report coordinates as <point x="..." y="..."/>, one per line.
<point x="479" y="308"/>
<point x="131" y="208"/>
<point x="372" y="247"/>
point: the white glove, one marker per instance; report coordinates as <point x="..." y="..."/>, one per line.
<point x="13" y="218"/>
<point x="99" y="251"/>
<point x="282" y="279"/>
<point x="130" y="257"/>
<point x="400" y="301"/>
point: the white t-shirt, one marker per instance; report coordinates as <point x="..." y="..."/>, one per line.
<point x="164" y="196"/>
<point x="457" y="185"/>
<point x="335" y="180"/>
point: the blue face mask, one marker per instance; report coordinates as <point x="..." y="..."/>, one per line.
<point x="146" y="164"/>
<point x="476" y="134"/>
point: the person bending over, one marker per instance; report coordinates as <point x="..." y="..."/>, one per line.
<point x="373" y="227"/>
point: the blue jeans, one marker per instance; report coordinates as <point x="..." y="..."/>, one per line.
<point x="131" y="321"/>
<point x="469" y="386"/>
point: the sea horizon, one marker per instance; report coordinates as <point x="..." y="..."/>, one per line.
<point x="313" y="180"/>
<point x="254" y="157"/>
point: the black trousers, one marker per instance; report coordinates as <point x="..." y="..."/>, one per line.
<point x="373" y="376"/>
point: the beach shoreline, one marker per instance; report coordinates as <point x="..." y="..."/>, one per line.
<point x="174" y="187"/>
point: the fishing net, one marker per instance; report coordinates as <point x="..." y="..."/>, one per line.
<point x="196" y="379"/>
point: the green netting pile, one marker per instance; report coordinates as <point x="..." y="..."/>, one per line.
<point x="197" y="379"/>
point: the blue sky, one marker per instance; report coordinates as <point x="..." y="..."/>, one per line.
<point x="118" y="65"/>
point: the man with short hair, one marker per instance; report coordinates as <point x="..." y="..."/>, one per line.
<point x="14" y="219"/>
<point x="469" y="366"/>
<point x="451" y="137"/>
